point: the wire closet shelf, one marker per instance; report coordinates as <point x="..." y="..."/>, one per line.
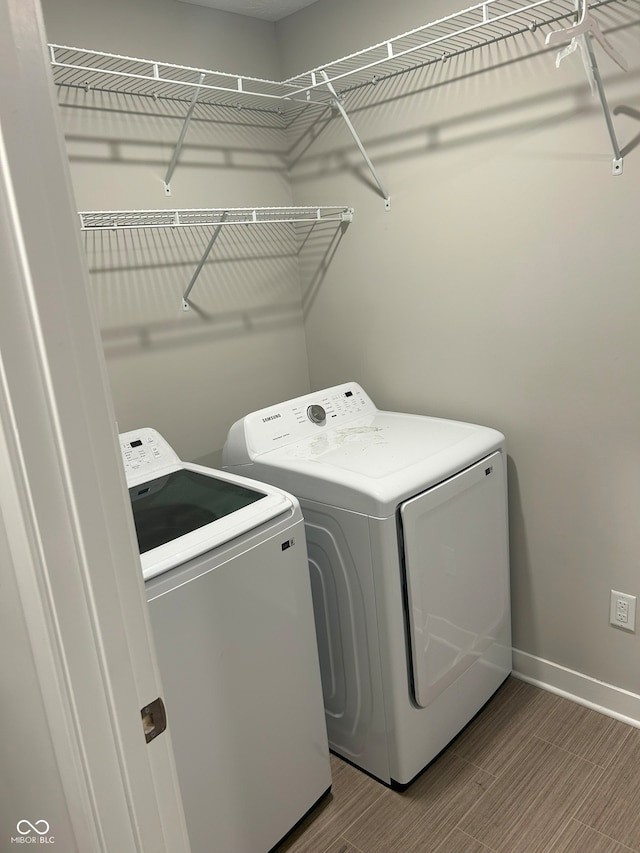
<point x="109" y="220"/>
<point x="213" y="218"/>
<point x="482" y="24"/>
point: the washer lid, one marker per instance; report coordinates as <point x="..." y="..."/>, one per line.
<point x="182" y="510"/>
<point x="189" y="510"/>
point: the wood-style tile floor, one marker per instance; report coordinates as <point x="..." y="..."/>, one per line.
<point x="532" y="773"/>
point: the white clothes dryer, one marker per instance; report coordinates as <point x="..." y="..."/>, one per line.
<point x="406" y="523"/>
<point x="226" y="578"/>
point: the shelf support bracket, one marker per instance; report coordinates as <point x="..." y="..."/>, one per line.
<point x="352" y="130"/>
<point x="203" y="260"/>
<point x="581" y="32"/>
<point x="183" y="133"/>
<point x="617" y="156"/>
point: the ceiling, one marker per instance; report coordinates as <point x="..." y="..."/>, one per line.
<point x="268" y="10"/>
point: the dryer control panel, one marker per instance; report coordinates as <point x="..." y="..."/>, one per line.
<point x="295" y="420"/>
<point x="144" y="451"/>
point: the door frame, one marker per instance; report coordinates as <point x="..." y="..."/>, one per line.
<point x="77" y="657"/>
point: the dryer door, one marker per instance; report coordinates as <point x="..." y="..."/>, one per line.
<point x="457" y="574"/>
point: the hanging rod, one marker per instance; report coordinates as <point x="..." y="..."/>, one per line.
<point x="111" y="220"/>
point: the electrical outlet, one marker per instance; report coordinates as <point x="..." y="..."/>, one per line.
<point x="622" y="611"/>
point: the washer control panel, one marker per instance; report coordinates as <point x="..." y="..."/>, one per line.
<point x="298" y="419"/>
<point x="144" y="451"/>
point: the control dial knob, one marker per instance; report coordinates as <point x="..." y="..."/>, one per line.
<point x="316" y="414"/>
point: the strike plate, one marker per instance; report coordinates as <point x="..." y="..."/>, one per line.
<point x="154" y="719"/>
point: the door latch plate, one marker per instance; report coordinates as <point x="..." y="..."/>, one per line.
<point x="154" y="719"/>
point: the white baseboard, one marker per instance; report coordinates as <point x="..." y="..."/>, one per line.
<point x="580" y="688"/>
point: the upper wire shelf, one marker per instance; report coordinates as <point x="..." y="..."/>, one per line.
<point x="109" y="220"/>
<point x="90" y="69"/>
<point x="462" y="31"/>
<point x="471" y="28"/>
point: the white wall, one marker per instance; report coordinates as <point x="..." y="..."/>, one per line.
<point x="502" y="288"/>
<point x="189" y="375"/>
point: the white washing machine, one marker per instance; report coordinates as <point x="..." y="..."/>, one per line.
<point x="225" y="568"/>
<point x="406" y="522"/>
